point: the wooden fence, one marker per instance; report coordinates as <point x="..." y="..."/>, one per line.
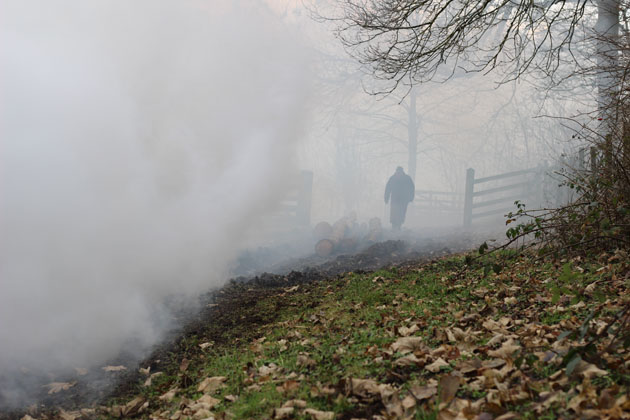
<point x="295" y="209"/>
<point x="500" y="192"/>
<point x="439" y="201"/>
<point x="495" y="195"/>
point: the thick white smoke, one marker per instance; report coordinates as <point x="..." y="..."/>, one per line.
<point x="138" y="141"/>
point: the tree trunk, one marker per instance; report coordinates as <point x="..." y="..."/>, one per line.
<point x="412" y="128"/>
<point x="607" y="33"/>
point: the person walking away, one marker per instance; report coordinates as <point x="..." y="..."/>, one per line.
<point x="401" y="190"/>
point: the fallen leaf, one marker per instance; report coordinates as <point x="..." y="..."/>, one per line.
<point x="184" y="365"/>
<point x="408" y="402"/>
<point x="589" y="370"/>
<point x="407" y="331"/>
<point x="81" y="371"/>
<point x="320" y="415"/>
<point x="495" y="340"/>
<point x="469" y="366"/>
<point x="289" y="385"/>
<point x="364" y="388"/>
<point x="435" y="366"/>
<point x="304" y="360"/>
<point x="69" y="415"/>
<point x="506" y="351"/>
<point x="113" y="368"/>
<point x="409" y="360"/>
<point x="606" y="399"/>
<point x="423" y="392"/>
<point x="205" y="345"/>
<point x="283" y="344"/>
<point x="169" y="395"/>
<point x="211" y="384"/>
<point x="283" y="413"/>
<point x="55" y="387"/>
<point x="134" y="407"/>
<point x="150" y="378"/>
<point x="207" y="399"/>
<point x="407" y="344"/>
<point x="508" y="416"/>
<point x="449" y="384"/>
<point x="267" y="370"/>
<point x="393" y="406"/>
<point x="295" y="403"/>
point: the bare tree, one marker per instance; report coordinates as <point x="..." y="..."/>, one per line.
<point x="408" y="41"/>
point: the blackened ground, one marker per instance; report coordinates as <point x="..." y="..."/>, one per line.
<point x="226" y="316"/>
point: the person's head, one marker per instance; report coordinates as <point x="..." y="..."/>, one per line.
<point x="399" y="170"/>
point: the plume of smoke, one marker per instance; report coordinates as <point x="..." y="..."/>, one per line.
<point x="139" y="140"/>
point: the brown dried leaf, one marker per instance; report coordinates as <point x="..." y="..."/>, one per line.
<point x="469" y="366"/>
<point x="393" y="406"/>
<point x="113" y="368"/>
<point x="305" y="360"/>
<point x="435" y="366"/>
<point x="169" y="395"/>
<point x="423" y="392"/>
<point x="364" y="388"/>
<point x="409" y="360"/>
<point x="55" y="387"/>
<point x="202" y="414"/>
<point x="211" y="384"/>
<point x="134" y="407"/>
<point x="407" y="344"/>
<point x="283" y="413"/>
<point x="183" y="367"/>
<point x="407" y="331"/>
<point x="320" y="415"/>
<point x="81" y="371"/>
<point x="290" y="385"/>
<point x="150" y="378"/>
<point x="208" y="400"/>
<point x="408" y="402"/>
<point x="295" y="403"/>
<point x="508" y="416"/>
<point x="268" y="370"/>
<point x="506" y="351"/>
<point x="449" y="384"/>
<point x="589" y="370"/>
<point x="69" y="415"/>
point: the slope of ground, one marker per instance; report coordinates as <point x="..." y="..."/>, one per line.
<point x="500" y="337"/>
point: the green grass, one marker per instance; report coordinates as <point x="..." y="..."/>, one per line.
<point x="344" y="327"/>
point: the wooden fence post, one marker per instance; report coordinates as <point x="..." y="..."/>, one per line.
<point x="468" y="197"/>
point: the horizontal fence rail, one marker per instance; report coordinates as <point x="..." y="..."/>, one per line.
<point x="440" y="201"/>
<point x="499" y="199"/>
<point x="295" y="209"/>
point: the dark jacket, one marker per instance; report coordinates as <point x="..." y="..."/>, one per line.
<point x="400" y="188"/>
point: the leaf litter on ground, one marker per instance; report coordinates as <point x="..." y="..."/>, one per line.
<point x="441" y="340"/>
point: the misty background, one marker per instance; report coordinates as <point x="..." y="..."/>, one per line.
<point x="140" y="140"/>
<point x="144" y="144"/>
